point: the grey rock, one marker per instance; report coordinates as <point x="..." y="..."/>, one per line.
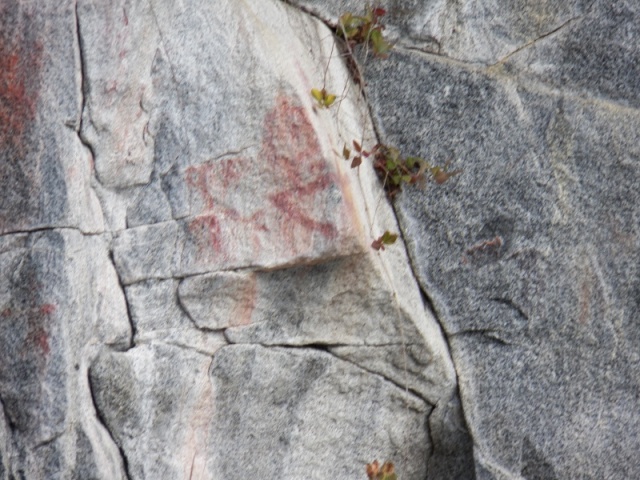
<point x="157" y="403"/>
<point x="44" y="167"/>
<point x="149" y="206"/>
<point x="317" y="416"/>
<point x="468" y="31"/>
<point x="343" y="302"/>
<point x="59" y="296"/>
<point x="221" y="300"/>
<point x="157" y="317"/>
<point x="530" y="258"/>
<point x="118" y="86"/>
<point x="594" y="56"/>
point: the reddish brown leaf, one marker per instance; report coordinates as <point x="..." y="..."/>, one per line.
<point x="379" y="12"/>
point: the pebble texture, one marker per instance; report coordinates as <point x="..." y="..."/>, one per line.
<point x="187" y="288"/>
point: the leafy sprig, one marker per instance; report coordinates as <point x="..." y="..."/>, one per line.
<point x="386" y="472"/>
<point x="395" y="170"/>
<point x="324" y="99"/>
<point x="365" y="29"/>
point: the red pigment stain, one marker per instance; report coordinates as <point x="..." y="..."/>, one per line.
<point x="41" y="340"/>
<point x="211" y="179"/>
<point x="19" y="66"/>
<point x="36" y="334"/>
<point x="48" y="308"/>
<point x="292" y="184"/>
<point x="291" y="145"/>
<point x="206" y="231"/>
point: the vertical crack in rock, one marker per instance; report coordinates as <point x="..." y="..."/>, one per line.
<point x="101" y="419"/>
<point x="83" y="87"/>
<point x="83" y="95"/>
<point x="83" y="92"/>
<point x="132" y="325"/>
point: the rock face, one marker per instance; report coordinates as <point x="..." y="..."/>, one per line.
<point x="531" y="257"/>
<point x="187" y="287"/>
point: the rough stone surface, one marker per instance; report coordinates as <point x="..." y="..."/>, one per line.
<point x="187" y="281"/>
<point x="45" y="169"/>
<point x="530" y="256"/>
<point x="59" y="300"/>
<point x="187" y="287"/>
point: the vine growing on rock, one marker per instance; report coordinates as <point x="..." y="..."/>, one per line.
<point x="365" y="33"/>
<point x="358" y="36"/>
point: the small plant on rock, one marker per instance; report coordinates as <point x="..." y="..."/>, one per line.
<point x="366" y="32"/>
<point x="386" y="472"/>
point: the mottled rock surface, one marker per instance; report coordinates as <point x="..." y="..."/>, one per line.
<point x="187" y="287"/>
<point x="531" y="257"/>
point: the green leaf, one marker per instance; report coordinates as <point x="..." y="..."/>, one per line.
<point x="391" y="165"/>
<point x="412" y="161"/>
<point x="380" y="46"/>
<point x="329" y="99"/>
<point x="406" y="178"/>
<point x="389" y="238"/>
<point x="317" y="94"/>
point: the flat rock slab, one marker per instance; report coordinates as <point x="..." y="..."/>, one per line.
<point x="292" y="413"/>
<point x="276" y="414"/>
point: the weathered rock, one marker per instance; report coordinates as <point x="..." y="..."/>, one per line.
<point x="248" y="227"/>
<point x="117" y="86"/>
<point x="530" y="257"/>
<point x="157" y="318"/>
<point x="157" y="402"/>
<point x="44" y="167"/>
<point x="469" y="31"/>
<point x="360" y="416"/>
<point x="187" y="287"/>
<point x="59" y="298"/>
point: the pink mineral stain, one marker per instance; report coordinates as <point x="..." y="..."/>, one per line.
<point x="48" y="308"/>
<point x="243" y="309"/>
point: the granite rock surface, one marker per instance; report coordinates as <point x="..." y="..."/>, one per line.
<point x="187" y="281"/>
<point x="187" y="286"/>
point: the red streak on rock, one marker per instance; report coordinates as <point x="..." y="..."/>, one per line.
<point x="41" y="340"/>
<point x="210" y="180"/>
<point x="48" y="308"/>
<point x="290" y="144"/>
<point x="20" y="62"/>
<point x="206" y="231"/>
<point x="276" y="204"/>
